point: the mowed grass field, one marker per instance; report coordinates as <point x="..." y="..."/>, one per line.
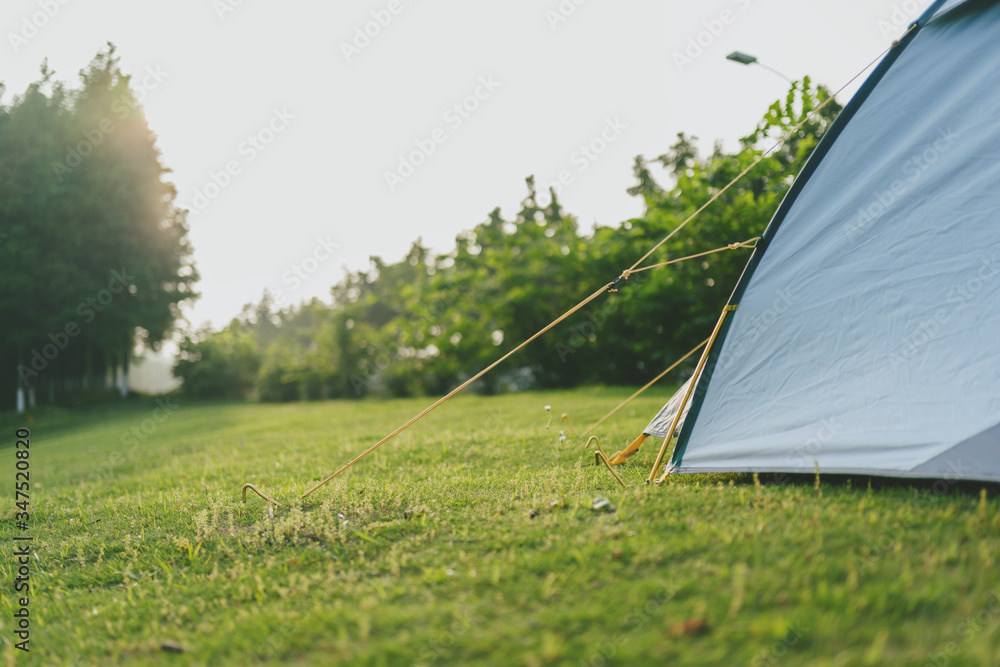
<point x="477" y="537"/>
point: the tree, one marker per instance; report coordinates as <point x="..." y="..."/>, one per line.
<point x="96" y="255"/>
<point x="428" y="322"/>
<point x="678" y="305"/>
<point x="220" y="364"/>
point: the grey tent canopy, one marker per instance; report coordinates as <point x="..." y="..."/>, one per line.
<point x="867" y="334"/>
<point x="660" y="426"/>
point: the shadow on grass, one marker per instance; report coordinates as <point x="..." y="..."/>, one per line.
<point x="860" y="483"/>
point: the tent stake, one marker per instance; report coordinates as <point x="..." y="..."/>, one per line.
<point x="260" y="493"/>
<point x="601" y="457"/>
<point x="687" y="395"/>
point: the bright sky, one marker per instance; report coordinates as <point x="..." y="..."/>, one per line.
<point x="308" y="117"/>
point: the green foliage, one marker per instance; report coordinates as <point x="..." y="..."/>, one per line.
<point x="223" y="364"/>
<point x="428" y="322"/>
<point x="678" y="305"/>
<point x="82" y="200"/>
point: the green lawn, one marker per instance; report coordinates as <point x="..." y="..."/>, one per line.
<point x="473" y="539"/>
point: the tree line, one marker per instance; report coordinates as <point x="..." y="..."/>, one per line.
<point x="426" y="323"/>
<point x="94" y="256"/>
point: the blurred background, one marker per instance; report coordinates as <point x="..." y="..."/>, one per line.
<point x="304" y="201"/>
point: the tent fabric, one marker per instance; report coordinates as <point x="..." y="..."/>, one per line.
<point x="660" y="425"/>
<point x="866" y="335"/>
<point x="948" y="6"/>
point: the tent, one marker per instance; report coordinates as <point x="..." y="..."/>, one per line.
<point x="863" y="334"/>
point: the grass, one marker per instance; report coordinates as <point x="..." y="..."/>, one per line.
<point x="473" y="539"/>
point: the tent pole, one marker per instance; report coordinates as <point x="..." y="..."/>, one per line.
<point x="600" y="457"/>
<point x="687" y="395"/>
